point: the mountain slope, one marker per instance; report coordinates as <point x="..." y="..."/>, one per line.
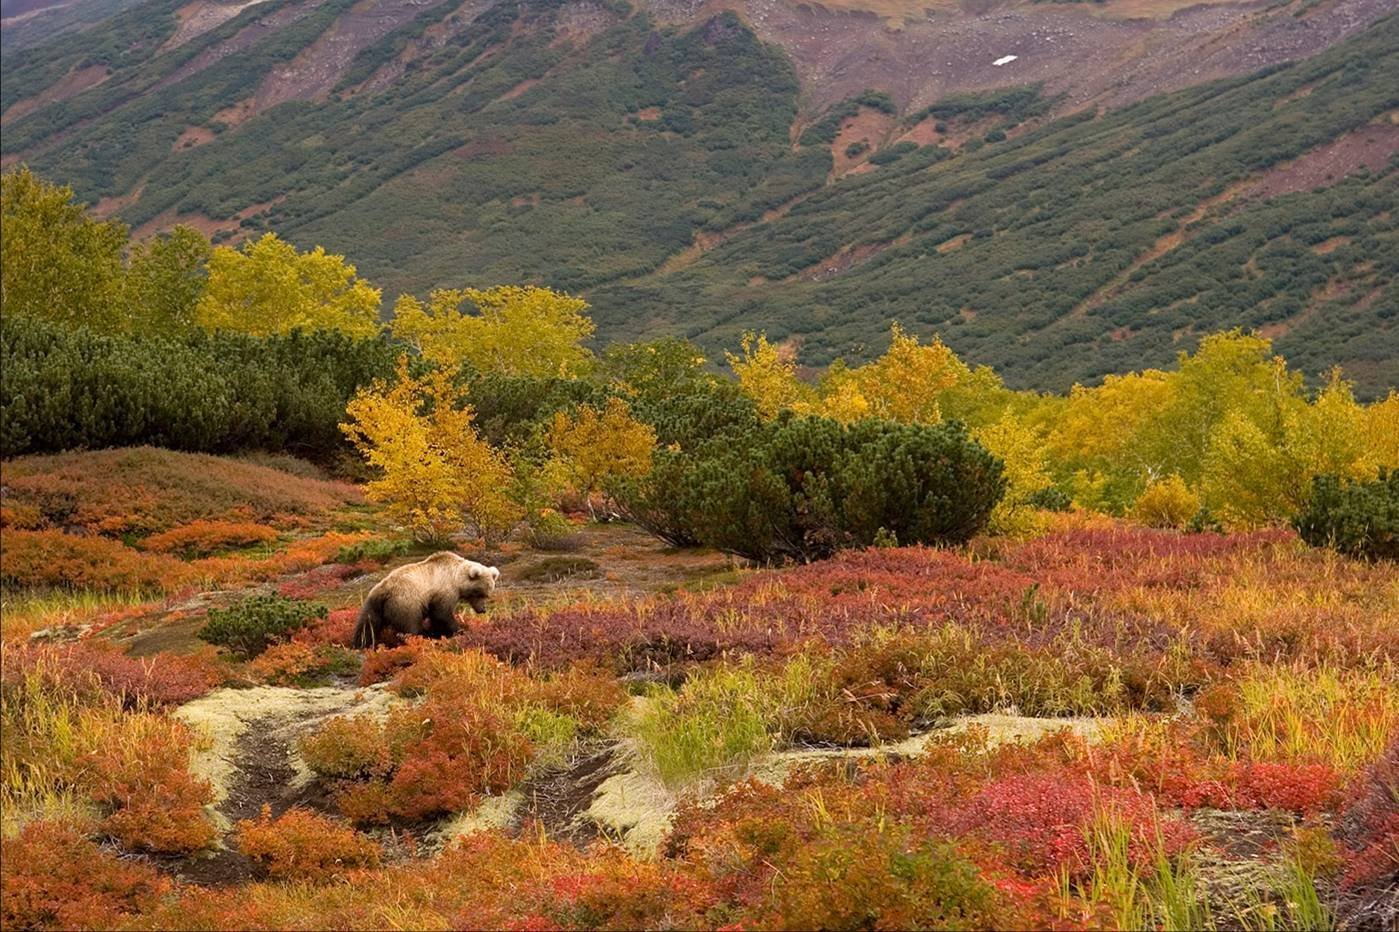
<point x="705" y="170"/>
<point x="1093" y="244"/>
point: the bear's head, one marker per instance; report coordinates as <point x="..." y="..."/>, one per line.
<point x="475" y="583"/>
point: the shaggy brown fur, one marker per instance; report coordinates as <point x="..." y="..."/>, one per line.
<point x="421" y="598"/>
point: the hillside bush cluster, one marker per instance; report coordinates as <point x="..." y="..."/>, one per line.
<point x="1356" y="517"/>
<point x="802" y="488"/>
<point x="64" y="387"/>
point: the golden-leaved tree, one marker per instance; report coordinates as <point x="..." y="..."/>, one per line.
<point x="56" y="261"/>
<point x="437" y="476"/>
<point x="769" y="377"/>
<point x="508" y="330"/>
<point x="1021" y="449"/>
<point x="594" y="448"/>
<point x="266" y="287"/>
<point x="906" y="384"/>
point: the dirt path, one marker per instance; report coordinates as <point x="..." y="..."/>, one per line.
<point x="249" y="758"/>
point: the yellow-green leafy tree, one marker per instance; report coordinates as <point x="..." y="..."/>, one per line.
<point x="1021" y="449"/>
<point x="1167" y="503"/>
<point x="508" y="330"/>
<point x="436" y="475"/>
<point x="907" y="383"/>
<point x="165" y="279"/>
<point x="1258" y="470"/>
<point x="55" y="260"/>
<point x="768" y="376"/>
<point x="1381" y="428"/>
<point x="266" y="286"/>
<point x="596" y="447"/>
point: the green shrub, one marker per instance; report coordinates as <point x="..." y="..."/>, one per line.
<point x="377" y="549"/>
<point x="1050" y="498"/>
<point x="251" y="626"/>
<point x="802" y="488"/>
<point x="1358" y="518"/>
<point x="63" y="387"/>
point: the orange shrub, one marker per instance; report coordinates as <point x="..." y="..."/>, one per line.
<point x="54" y="878"/>
<point x="21" y="517"/>
<point x="140" y="776"/>
<point x="204" y="537"/>
<point x="53" y="558"/>
<point x="300" y="845"/>
<point x="299" y="663"/>
<point x="348" y="747"/>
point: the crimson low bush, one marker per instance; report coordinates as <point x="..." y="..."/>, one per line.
<point x="86" y="666"/>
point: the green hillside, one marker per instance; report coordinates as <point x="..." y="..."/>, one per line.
<point x="656" y="169"/>
<point x="1061" y="268"/>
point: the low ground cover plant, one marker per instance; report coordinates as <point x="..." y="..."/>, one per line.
<point x="301" y="846"/>
<point x="249" y="627"/>
<point x="471" y="726"/>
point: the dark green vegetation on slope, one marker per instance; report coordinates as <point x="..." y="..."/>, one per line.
<point x="444" y="175"/>
<point x="1050" y="285"/>
<point x="515" y="146"/>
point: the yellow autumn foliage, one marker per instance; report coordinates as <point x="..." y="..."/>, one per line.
<point x="508" y="330"/>
<point x="267" y="287"/>
<point x="595" y="447"/>
<point x="437" y="476"/>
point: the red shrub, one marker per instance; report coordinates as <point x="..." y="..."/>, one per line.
<point x="204" y="537"/>
<point x="300" y="845"/>
<point x="1173" y="766"/>
<point x="463" y="750"/>
<point x="54" y="878"/>
<point x="428" y="759"/>
<point x="85" y="666"/>
<point x="299" y="663"/>
<point x="337" y="628"/>
<point x="384" y="663"/>
<point x="1370" y="826"/>
<point x="1040" y="819"/>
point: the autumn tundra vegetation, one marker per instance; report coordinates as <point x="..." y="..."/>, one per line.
<point x="888" y="645"/>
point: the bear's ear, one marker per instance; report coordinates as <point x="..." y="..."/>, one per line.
<point x="473" y="572"/>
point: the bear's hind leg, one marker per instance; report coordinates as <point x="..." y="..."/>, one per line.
<point x="406" y="617"/>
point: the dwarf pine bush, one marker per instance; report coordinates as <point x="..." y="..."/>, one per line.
<point x="251" y="626"/>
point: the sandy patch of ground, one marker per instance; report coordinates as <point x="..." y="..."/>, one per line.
<point x="868" y="128"/>
<point x="279" y="713"/>
<point x="1370" y="147"/>
<point x="201" y="16"/>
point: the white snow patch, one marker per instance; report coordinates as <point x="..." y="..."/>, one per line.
<point x="1005" y="60"/>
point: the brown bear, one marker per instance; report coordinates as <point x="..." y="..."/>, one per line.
<point x="421" y="598"/>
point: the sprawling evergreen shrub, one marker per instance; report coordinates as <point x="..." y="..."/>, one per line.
<point x="251" y="626"/>
<point x="1357" y="518"/>
<point x="63" y="388"/>
<point x="802" y="488"/>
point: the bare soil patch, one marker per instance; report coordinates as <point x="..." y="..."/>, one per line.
<point x="1370" y="147"/>
<point x="70" y="85"/>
